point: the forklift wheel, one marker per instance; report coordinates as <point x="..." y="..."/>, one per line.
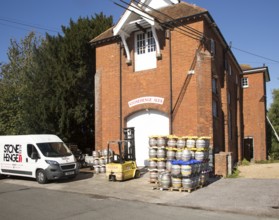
<point x="137" y="174"/>
<point x="112" y="178"/>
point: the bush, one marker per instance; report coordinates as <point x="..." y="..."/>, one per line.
<point x="274" y="155"/>
<point x="245" y="162"/>
<point x="235" y="173"/>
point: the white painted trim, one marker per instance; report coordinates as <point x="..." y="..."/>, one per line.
<point x="158" y="49"/>
<point x="121" y="22"/>
<point x="132" y="8"/>
<point x="255" y="70"/>
<point x="123" y="38"/>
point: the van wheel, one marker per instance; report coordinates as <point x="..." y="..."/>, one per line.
<point x="2" y="176"/>
<point x="41" y="177"/>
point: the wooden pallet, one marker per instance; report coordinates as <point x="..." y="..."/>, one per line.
<point x="181" y="189"/>
<point x="153" y="181"/>
<point x="160" y="188"/>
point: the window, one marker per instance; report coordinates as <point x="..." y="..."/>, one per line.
<point x="230" y="70"/>
<point x="212" y="47"/>
<point x="226" y="64"/>
<point x="145" y="51"/>
<point x="214" y="86"/>
<point x="145" y="43"/>
<point x="31" y="150"/>
<point x="141" y="43"/>
<point x="151" y="46"/>
<point x="230" y="125"/>
<point x="236" y="79"/>
<point x="214" y="108"/>
<point x="244" y="82"/>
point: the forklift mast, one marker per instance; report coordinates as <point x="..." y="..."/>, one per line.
<point x="126" y="147"/>
<point x="129" y="144"/>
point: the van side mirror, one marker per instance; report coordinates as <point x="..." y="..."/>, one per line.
<point x="35" y="155"/>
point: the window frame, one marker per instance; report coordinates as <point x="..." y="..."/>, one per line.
<point x="215" y="108"/>
<point x="145" y="51"/>
<point x="244" y="82"/>
<point x="146" y="43"/>
<point x="214" y="86"/>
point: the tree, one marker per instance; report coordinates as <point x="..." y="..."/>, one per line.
<point x="273" y="115"/>
<point x="48" y="84"/>
<point x="14" y="85"/>
<point x="68" y="62"/>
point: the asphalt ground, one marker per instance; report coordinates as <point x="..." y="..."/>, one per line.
<point x="257" y="197"/>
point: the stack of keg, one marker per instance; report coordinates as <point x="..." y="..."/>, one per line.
<point x="98" y="160"/>
<point x="157" y="155"/>
<point x="186" y="162"/>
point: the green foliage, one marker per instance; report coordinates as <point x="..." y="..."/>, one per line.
<point x="48" y="84"/>
<point x="273" y="115"/>
<point x="15" y="87"/>
<point x="235" y="174"/>
<point x="266" y="161"/>
<point x="245" y="162"/>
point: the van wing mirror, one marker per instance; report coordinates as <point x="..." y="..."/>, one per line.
<point x="35" y="155"/>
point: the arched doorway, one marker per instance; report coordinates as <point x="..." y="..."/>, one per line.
<point x="147" y="123"/>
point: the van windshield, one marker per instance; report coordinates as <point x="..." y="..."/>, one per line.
<point x="54" y="149"/>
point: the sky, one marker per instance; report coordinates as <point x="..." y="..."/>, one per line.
<point x="248" y="25"/>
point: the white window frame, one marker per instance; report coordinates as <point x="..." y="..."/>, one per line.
<point x="245" y="82"/>
<point x="145" y="51"/>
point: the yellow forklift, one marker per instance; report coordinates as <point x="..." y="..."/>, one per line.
<point x="122" y="166"/>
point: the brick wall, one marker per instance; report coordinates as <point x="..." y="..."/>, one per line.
<point x="254" y="113"/>
<point x="191" y="94"/>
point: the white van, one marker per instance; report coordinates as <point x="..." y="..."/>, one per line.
<point x="44" y="157"/>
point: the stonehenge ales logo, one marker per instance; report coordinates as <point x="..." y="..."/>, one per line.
<point x="13" y="153"/>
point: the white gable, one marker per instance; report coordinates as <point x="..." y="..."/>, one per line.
<point x="156" y="4"/>
<point x="136" y="18"/>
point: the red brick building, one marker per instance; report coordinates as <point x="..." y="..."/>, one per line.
<point x="254" y="108"/>
<point x="165" y="68"/>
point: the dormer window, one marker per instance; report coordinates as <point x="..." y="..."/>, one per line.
<point x="145" y="56"/>
<point x="151" y="42"/>
<point x="145" y="43"/>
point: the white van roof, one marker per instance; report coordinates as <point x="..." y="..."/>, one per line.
<point x="34" y="138"/>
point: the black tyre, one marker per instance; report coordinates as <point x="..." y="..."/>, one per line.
<point x="112" y="178"/>
<point x="72" y="177"/>
<point x="2" y="176"/>
<point x="137" y="174"/>
<point x="41" y="177"/>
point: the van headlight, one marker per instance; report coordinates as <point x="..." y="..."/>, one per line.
<point x="52" y="162"/>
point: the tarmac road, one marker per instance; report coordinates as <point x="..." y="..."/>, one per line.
<point x="22" y="202"/>
<point x="253" y="197"/>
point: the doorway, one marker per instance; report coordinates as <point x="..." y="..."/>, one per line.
<point x="248" y="148"/>
<point x="147" y="123"/>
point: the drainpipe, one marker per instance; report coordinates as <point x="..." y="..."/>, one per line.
<point x="120" y="90"/>
<point x="170" y="57"/>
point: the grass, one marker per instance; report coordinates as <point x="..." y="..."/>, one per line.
<point x="235" y="174"/>
<point x="266" y="161"/>
<point x="245" y="162"/>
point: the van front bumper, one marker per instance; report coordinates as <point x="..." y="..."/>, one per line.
<point x="54" y="172"/>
